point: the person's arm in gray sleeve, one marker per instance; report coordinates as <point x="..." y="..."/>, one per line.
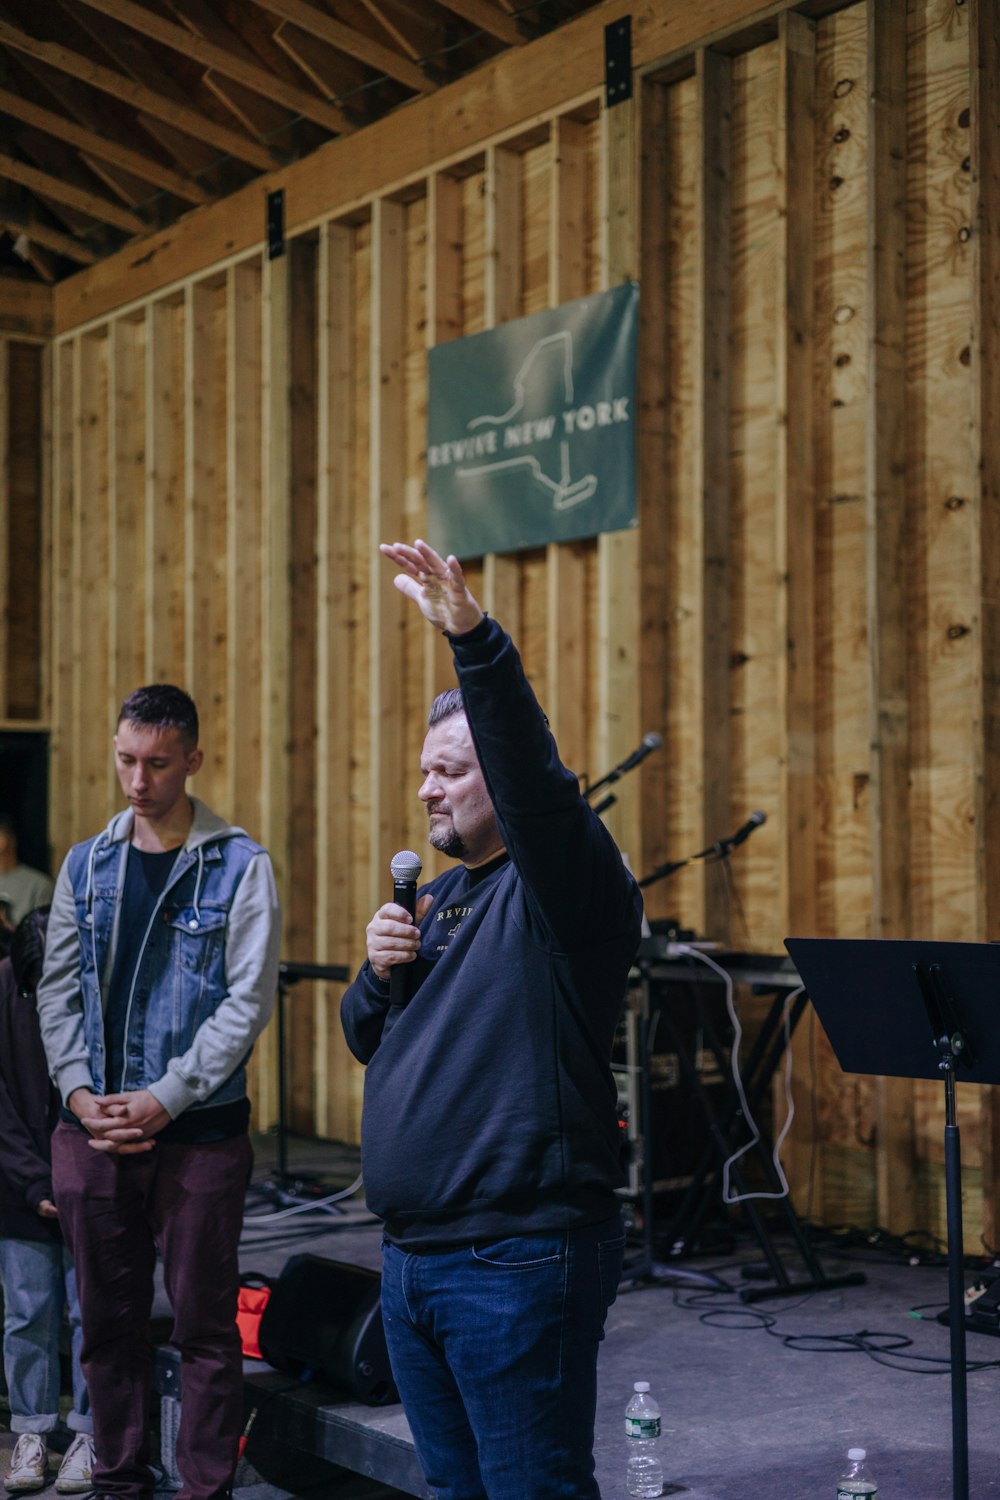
<point x="253" y="939"/>
<point x="59" y="997"/>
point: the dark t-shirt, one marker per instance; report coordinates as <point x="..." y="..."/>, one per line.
<point x="146" y="876"/>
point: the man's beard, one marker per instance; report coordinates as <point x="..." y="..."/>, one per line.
<point x="447" y="841"/>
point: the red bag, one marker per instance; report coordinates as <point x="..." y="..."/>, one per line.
<point x="254" y="1295"/>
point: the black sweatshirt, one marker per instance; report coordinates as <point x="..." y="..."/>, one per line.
<point x="29" y="1109"/>
<point x="489" y="1107"/>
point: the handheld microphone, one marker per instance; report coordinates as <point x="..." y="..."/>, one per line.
<point x="754" y="821"/>
<point x="405" y="868"/>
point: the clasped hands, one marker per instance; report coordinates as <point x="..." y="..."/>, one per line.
<point x="119" y="1123"/>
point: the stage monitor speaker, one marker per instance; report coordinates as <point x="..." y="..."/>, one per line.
<point x="324" y="1321"/>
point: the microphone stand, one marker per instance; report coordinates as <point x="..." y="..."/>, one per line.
<point x="290" y="974"/>
<point x="716" y="852"/>
<point x="617" y="772"/>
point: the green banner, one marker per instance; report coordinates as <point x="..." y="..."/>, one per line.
<point x="531" y="428"/>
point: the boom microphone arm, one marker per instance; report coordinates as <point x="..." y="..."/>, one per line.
<point x="721" y="849"/>
<point x="650" y="743"/>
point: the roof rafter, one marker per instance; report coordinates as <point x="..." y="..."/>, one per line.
<point x="346" y="39"/>
<point x="487" y="17"/>
<point x="52" y="239"/>
<point x="190" y="121"/>
<point x="89" y="143"/>
<point x="92" y="204"/>
<point x="261" y="118"/>
<point x="210" y="55"/>
<point x="378" y="15"/>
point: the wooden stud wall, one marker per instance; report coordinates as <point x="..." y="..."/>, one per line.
<point x="24" y="443"/>
<point x="806" y="612"/>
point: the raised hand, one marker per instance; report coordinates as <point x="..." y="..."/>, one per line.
<point x="435" y="584"/>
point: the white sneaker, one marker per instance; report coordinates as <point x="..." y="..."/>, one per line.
<point x="76" y="1472"/>
<point x="29" y="1464"/>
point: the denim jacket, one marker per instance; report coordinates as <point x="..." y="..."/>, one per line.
<point x="203" y="987"/>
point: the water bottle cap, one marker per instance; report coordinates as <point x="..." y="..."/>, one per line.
<point x="641" y="1385"/>
<point x="857" y="1454"/>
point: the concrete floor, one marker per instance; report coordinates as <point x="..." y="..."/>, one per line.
<point x="762" y="1401"/>
<point x="759" y="1402"/>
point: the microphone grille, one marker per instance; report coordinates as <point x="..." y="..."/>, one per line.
<point x="406" y="866"/>
<point x="652" y="741"/>
<point x="757" y="818"/>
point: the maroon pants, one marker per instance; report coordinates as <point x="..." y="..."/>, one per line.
<point x="116" y="1211"/>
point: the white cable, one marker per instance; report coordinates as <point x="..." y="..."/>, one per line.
<point x="301" y="1208"/>
<point x="734" y="1063"/>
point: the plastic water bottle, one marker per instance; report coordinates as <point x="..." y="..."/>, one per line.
<point x="644" y="1475"/>
<point x="856" y="1480"/>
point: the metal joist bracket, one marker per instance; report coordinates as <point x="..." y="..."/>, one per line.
<point x="618" y="61"/>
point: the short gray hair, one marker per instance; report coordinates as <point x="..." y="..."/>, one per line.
<point x="445" y="706"/>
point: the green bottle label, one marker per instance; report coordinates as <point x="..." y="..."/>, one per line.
<point x="642" y="1427"/>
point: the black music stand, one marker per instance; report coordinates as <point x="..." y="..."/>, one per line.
<point x="907" y="1009"/>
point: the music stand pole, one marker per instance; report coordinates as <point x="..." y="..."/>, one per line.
<point x="874" y="998"/>
<point x="956" y="1291"/>
<point x="647" y="1263"/>
<point x="282" y="1172"/>
<point x="943" y="1014"/>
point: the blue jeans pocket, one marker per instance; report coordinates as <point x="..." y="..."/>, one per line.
<point x="521" y="1253"/>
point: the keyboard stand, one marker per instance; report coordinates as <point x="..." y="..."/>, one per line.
<point x="727" y="1130"/>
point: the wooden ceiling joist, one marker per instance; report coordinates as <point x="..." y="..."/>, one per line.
<point x="248" y="38"/>
<point x="92" y="204"/>
<point x="180" y="116"/>
<point x="133" y="112"/>
<point x="89" y="143"/>
<point x="52" y="239"/>
<point x="488" y="18"/>
<point x="220" y="60"/>
<point x="403" y="42"/>
<point x="346" y="39"/>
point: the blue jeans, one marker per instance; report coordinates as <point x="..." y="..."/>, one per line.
<point x="494" y="1349"/>
<point x="38" y="1283"/>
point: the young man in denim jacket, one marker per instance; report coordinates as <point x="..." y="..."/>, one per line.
<point x="160" y="973"/>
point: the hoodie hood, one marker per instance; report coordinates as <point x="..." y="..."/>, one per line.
<point x="206" y="828"/>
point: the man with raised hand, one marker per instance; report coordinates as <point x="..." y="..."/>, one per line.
<point x="489" y="1138"/>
